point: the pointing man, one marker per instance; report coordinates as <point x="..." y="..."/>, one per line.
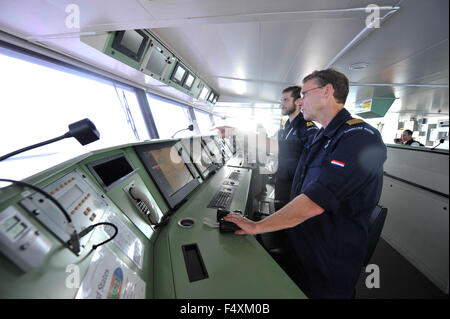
<point x="336" y="186"/>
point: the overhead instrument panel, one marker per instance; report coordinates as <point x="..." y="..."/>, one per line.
<point x="84" y="204"/>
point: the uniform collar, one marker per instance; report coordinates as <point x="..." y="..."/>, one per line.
<point x="341" y="117"/>
<point x="294" y="121"/>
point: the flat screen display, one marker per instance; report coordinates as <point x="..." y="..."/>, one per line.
<point x="167" y="168"/>
<point x="170" y="169"/>
<point x="178" y="74"/>
<point x="111" y="170"/>
<point x="204" y="93"/>
<point x="132" y="41"/>
<point x="213" y="148"/>
<point x="189" y="81"/>
<point x="199" y="156"/>
<point x="156" y="62"/>
<point x="9" y="223"/>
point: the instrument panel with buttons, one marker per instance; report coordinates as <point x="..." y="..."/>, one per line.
<point x="84" y="204"/>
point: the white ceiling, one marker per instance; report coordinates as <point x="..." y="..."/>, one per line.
<point x="249" y="50"/>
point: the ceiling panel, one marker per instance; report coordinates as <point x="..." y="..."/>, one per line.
<point x="31" y="18"/>
<point x="411" y="47"/>
<point x="179" y="9"/>
<point x="250" y="50"/>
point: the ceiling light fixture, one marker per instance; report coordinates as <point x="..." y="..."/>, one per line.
<point x="358" y="66"/>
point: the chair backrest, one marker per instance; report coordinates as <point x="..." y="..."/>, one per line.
<point x="376" y="223"/>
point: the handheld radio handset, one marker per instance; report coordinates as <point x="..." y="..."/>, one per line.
<point x="143" y="203"/>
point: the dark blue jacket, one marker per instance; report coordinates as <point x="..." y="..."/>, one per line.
<point x="291" y="141"/>
<point x="341" y="170"/>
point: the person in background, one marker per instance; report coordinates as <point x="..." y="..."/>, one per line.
<point x="407" y="139"/>
<point x="291" y="141"/>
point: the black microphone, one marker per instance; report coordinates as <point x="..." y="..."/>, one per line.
<point x="190" y="128"/>
<point x="442" y="140"/>
<point x="84" y="131"/>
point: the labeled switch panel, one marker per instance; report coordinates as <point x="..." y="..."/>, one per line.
<point x="81" y="200"/>
<point x="20" y="241"/>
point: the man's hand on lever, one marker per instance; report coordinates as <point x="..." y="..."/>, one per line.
<point x="293" y="213"/>
<point x="248" y="227"/>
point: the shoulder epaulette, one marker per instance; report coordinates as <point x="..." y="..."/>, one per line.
<point x="309" y="123"/>
<point x="354" y="121"/>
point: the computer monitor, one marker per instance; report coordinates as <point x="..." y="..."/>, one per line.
<point x="173" y="177"/>
<point x="157" y="62"/>
<point x="111" y="171"/>
<point x="214" y="151"/>
<point x="199" y="156"/>
<point x="211" y="97"/>
<point x="189" y="81"/>
<point x="204" y="93"/>
<point x="178" y="74"/>
<point x="132" y="43"/>
<point x="225" y="150"/>
<point x="229" y="141"/>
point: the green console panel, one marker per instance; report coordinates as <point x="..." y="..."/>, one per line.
<point x="236" y="266"/>
<point x="51" y="278"/>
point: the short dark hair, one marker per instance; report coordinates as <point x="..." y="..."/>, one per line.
<point x="337" y="79"/>
<point x="409" y="132"/>
<point x="295" y="91"/>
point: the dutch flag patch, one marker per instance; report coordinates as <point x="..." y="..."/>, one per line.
<point x="337" y="163"/>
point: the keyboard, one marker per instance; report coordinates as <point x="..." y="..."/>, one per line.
<point x="234" y="176"/>
<point x="222" y="199"/>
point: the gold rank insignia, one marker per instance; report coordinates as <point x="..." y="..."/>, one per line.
<point x="309" y="123"/>
<point x="354" y="121"/>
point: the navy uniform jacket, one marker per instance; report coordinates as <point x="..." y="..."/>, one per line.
<point x="341" y="170"/>
<point x="291" y="141"/>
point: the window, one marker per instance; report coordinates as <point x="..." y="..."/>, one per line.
<point x="204" y="122"/>
<point x="40" y="99"/>
<point x="169" y="116"/>
<point x="219" y="121"/>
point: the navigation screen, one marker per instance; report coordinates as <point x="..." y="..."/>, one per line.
<point x="132" y="41"/>
<point x="156" y="62"/>
<point x="204" y="161"/>
<point x="204" y="93"/>
<point x="213" y="148"/>
<point x="199" y="155"/>
<point x="168" y="169"/>
<point x="179" y="73"/>
<point x="189" y="81"/>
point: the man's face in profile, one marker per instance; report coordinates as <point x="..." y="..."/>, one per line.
<point x="287" y="104"/>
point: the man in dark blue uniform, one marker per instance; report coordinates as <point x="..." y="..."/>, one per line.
<point x="291" y="141"/>
<point x="337" y="184"/>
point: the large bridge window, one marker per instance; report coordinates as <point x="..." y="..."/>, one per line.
<point x="40" y="99"/>
<point x="204" y="122"/>
<point x="169" y="116"/>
